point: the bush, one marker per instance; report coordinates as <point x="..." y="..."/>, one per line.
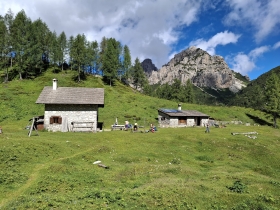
<point x="237" y="187"/>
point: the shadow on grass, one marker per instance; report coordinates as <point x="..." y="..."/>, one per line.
<point x="259" y="120"/>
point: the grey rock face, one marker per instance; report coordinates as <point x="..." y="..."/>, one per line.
<point x="148" y="67"/>
<point x="201" y="68"/>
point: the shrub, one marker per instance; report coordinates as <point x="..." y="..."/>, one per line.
<point x="237" y="187"/>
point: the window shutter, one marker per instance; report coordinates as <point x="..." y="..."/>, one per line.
<point x="59" y="120"/>
<point x="51" y="120"/>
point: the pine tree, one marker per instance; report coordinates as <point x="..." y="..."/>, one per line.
<point x="3" y="46"/>
<point x="110" y="60"/>
<point x="272" y="93"/>
<point x="20" y="40"/>
<point x="101" y="54"/>
<point x="54" y="53"/>
<point x="91" y="55"/>
<point x="126" y="61"/>
<point x="40" y="43"/>
<point x="70" y="51"/>
<point x="177" y="90"/>
<point x="188" y="91"/>
<point x="138" y="75"/>
<point x="62" y="46"/>
<point x="78" y="53"/>
<point x="8" y="19"/>
<point x="164" y="91"/>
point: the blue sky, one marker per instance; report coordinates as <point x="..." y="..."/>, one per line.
<point x="245" y="32"/>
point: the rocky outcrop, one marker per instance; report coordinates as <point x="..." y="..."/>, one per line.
<point x="148" y="67"/>
<point x="201" y="68"/>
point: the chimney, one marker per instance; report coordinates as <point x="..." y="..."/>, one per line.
<point x="179" y="107"/>
<point x="55" y="84"/>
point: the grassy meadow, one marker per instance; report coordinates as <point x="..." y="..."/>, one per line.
<point x="173" y="168"/>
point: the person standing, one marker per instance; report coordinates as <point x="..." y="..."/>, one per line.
<point x="207" y="128"/>
<point x="135" y="127"/>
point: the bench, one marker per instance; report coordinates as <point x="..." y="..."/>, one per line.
<point x="78" y="126"/>
<point x="117" y="127"/>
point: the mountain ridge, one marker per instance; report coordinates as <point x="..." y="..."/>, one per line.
<point x="201" y="68"/>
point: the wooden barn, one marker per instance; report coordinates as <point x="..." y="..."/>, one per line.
<point x="71" y="108"/>
<point x="181" y="118"/>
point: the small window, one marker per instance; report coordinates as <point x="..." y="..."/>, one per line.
<point x="55" y="120"/>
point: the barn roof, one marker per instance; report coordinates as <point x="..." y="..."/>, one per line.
<point x="183" y="113"/>
<point x="71" y="95"/>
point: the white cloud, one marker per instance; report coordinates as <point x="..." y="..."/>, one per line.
<point x="258" y="51"/>
<point x="222" y="38"/>
<point x="276" y="45"/>
<point x="243" y="63"/>
<point x="148" y="27"/>
<point x="264" y="16"/>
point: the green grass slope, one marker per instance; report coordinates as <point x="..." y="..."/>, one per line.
<point x="18" y="103"/>
<point x="182" y="168"/>
<point x="176" y="168"/>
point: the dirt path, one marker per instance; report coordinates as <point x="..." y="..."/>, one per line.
<point x="33" y="177"/>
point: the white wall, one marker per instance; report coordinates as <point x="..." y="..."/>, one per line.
<point x="70" y="113"/>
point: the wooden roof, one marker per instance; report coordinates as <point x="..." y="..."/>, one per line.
<point x="71" y="95"/>
<point x="183" y="113"/>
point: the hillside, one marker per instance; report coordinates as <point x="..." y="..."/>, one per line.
<point x="252" y="95"/>
<point x="18" y="100"/>
<point x="176" y="168"/>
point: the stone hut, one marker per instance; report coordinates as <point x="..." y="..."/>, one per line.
<point x="71" y="108"/>
<point x="181" y="118"/>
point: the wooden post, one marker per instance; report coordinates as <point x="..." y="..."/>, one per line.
<point x="32" y="127"/>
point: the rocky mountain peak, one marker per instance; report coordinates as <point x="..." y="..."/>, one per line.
<point x="148" y="67"/>
<point x="200" y="67"/>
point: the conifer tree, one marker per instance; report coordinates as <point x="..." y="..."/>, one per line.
<point x="164" y="91"/>
<point x="101" y="54"/>
<point x="3" y="46"/>
<point x="189" y="95"/>
<point x="110" y="60"/>
<point x="138" y="75"/>
<point x="54" y="53"/>
<point x="70" y="51"/>
<point x="177" y="90"/>
<point x="20" y="40"/>
<point x="62" y="46"/>
<point x="126" y="61"/>
<point x="40" y="41"/>
<point x="78" y="53"/>
<point x="8" y="19"/>
<point x="272" y="93"/>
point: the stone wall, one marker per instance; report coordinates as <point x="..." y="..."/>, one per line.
<point x="71" y="113"/>
<point x="190" y="122"/>
<point x="174" y="122"/>
<point x="204" y="122"/>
